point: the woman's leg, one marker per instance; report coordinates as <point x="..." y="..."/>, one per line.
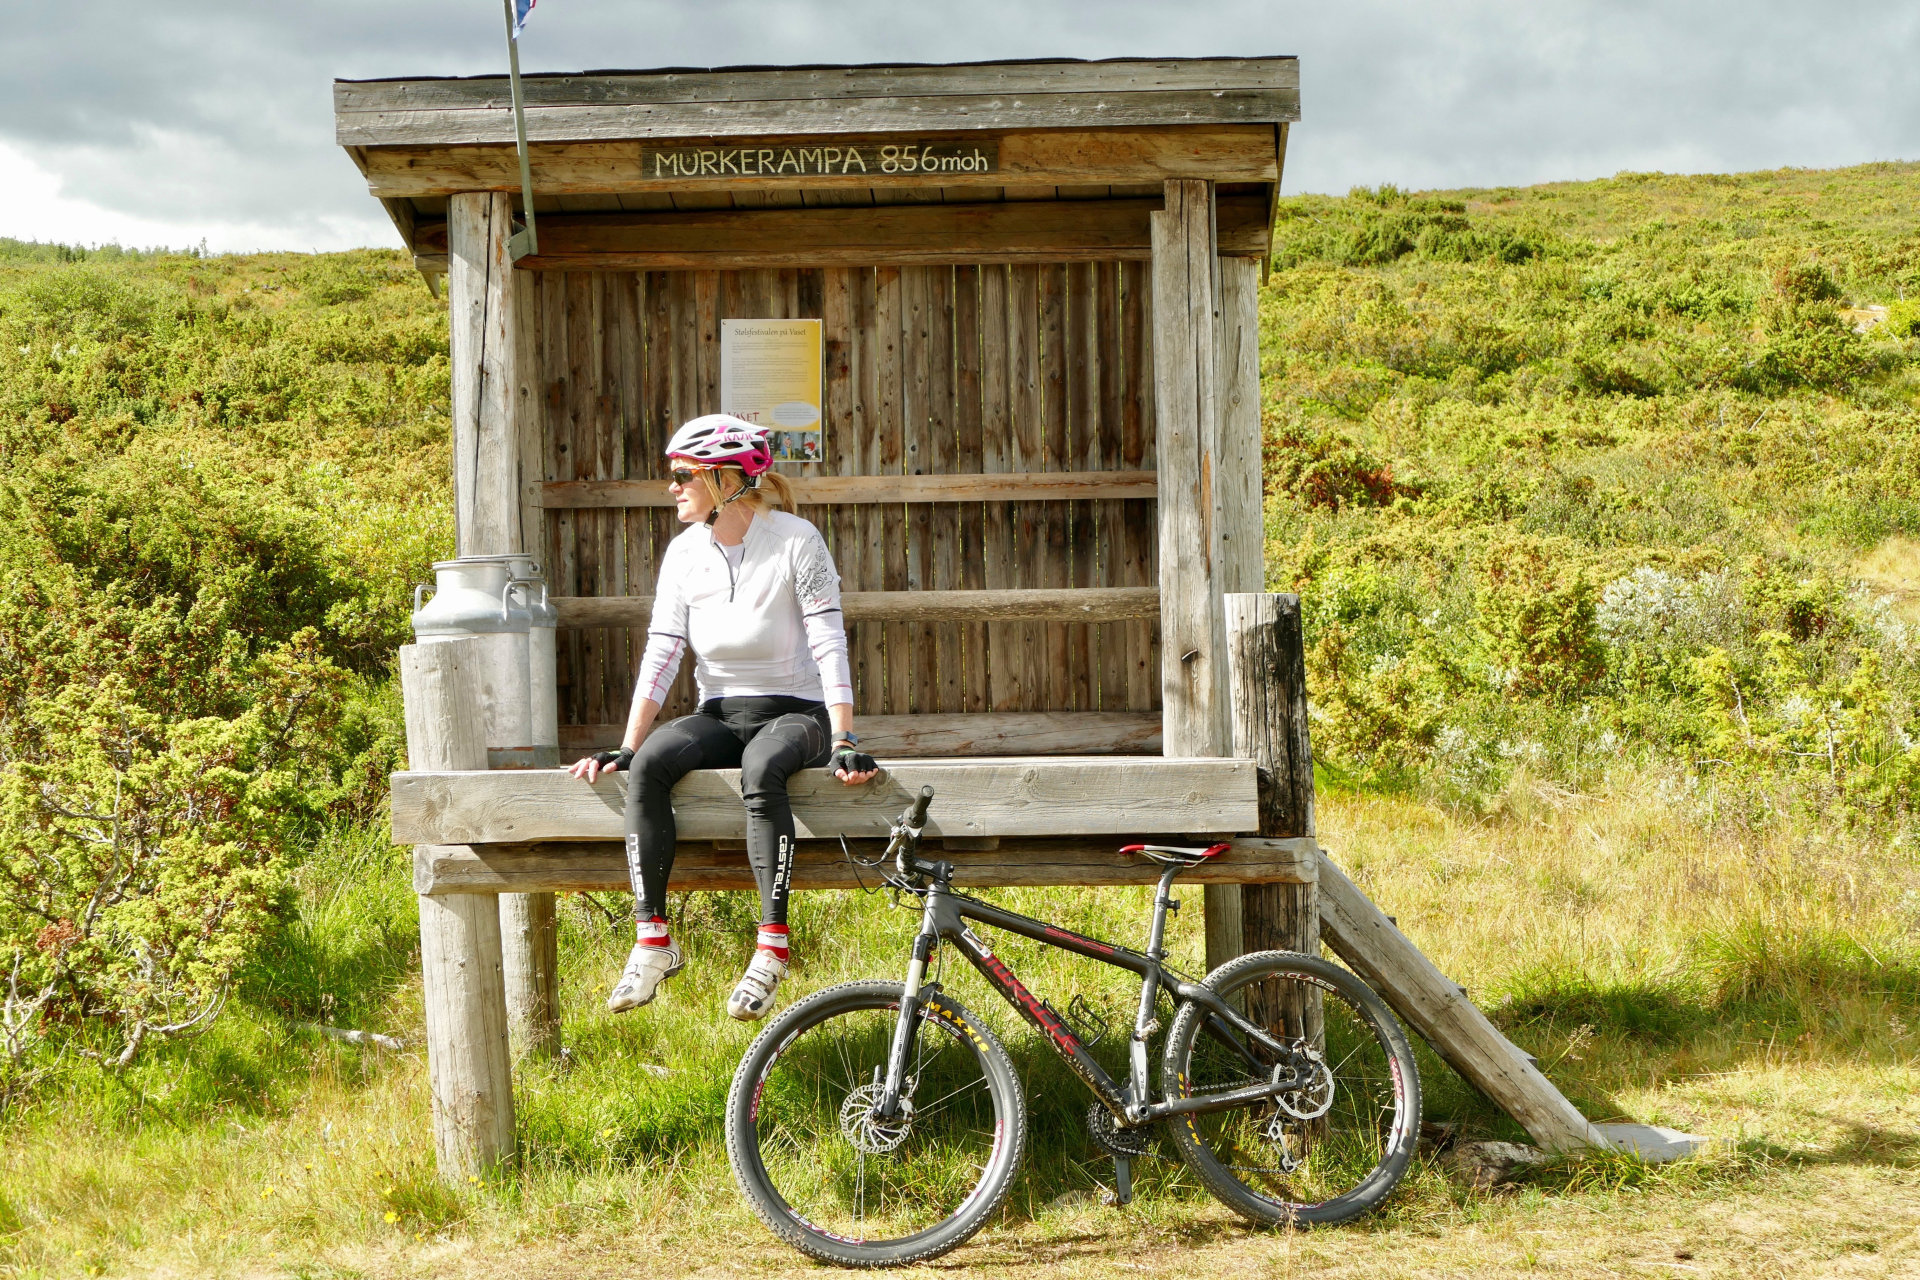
<point x="778" y="751"/>
<point x="669" y="754"/>
<point x="783" y="746"/>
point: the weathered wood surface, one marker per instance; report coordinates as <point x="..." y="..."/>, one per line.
<point x="621" y="358"/>
<point x="468" y="1059"/>
<point x="1082" y="604"/>
<point x="1193" y="668"/>
<point x="824" y="83"/>
<point x="1268" y="666"/>
<point x="594" y="866"/>
<point x="1000" y="733"/>
<point x="481" y="298"/>
<point x="1236" y="477"/>
<point x="1437" y="1008"/>
<point x="1035" y="796"/>
<point x="1041" y="160"/>
<point x="868" y="490"/>
<point x="530" y="968"/>
<point x="901" y="234"/>
<point x="793" y="101"/>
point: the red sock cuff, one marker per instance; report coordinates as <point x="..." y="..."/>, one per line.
<point x="773" y="938"/>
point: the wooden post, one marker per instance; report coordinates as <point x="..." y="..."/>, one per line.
<point x="1436" y="1007"/>
<point x="467" y="1056"/>
<point x="1237" y="482"/>
<point x="1270" y="728"/>
<point x="1194" y="695"/>
<point x="530" y="955"/>
<point x="496" y="463"/>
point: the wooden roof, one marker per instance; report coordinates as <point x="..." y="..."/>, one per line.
<point x="1060" y="132"/>
<point x="817" y="100"/>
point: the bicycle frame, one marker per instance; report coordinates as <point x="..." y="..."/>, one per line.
<point x="1132" y="1104"/>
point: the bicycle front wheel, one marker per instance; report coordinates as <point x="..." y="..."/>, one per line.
<point x="1330" y="1148"/>
<point x="844" y="1185"/>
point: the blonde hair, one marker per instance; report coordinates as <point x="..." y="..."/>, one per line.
<point x="774" y="489"/>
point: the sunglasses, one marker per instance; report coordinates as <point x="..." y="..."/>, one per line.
<point x="685" y="475"/>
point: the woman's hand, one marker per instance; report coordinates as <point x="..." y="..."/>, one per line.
<point x="606" y="762"/>
<point x="850" y="764"/>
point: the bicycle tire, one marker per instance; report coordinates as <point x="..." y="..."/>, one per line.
<point x="1259" y="1160"/>
<point x="795" y="1133"/>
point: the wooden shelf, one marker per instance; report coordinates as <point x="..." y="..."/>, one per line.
<point x="1042" y="486"/>
<point x="1062" y="604"/>
<point x="1035" y="796"/>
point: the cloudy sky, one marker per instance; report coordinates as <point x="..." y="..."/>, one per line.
<point x="148" y="122"/>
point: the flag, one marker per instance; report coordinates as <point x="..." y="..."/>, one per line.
<point x="521" y="8"/>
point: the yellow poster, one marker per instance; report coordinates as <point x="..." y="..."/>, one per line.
<point x="770" y="375"/>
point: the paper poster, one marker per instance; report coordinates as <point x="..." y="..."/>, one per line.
<point x="770" y="375"/>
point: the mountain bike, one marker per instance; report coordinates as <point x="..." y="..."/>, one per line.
<point x="881" y="1123"/>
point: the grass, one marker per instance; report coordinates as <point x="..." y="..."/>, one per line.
<point x="1760" y="991"/>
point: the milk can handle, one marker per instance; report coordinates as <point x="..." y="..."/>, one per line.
<point x="418" y="587"/>
<point x="506" y="594"/>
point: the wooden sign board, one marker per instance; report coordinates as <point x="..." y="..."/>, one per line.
<point x="937" y="157"/>
<point x="770" y="375"/>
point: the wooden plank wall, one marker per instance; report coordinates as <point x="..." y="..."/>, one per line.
<point x="936" y="370"/>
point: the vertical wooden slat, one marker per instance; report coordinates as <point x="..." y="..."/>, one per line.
<point x="1006" y="673"/>
<point x="1110" y="394"/>
<point x="483" y="345"/>
<point x="871" y="677"/>
<point x="943" y="525"/>
<point x="888" y="526"/>
<point x="1083" y="452"/>
<point x="583" y="387"/>
<point x="970" y="534"/>
<point x="1027" y="450"/>
<point x="1140" y="519"/>
<point x="916" y="340"/>
<point x="1056" y="447"/>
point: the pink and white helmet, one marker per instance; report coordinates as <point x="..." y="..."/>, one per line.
<point x="722" y="440"/>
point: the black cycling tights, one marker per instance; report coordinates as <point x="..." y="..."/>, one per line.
<point x="768" y="740"/>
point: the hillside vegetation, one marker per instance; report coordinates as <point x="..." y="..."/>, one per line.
<point x="1603" y="500"/>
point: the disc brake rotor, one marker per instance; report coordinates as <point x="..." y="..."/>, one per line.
<point x="867" y="1132"/>
<point x="1316" y="1098"/>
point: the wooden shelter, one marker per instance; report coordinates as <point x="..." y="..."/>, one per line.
<point x="1039" y="476"/>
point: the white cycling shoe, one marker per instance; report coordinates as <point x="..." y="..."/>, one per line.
<point x="647" y="967"/>
<point x="752" y="996"/>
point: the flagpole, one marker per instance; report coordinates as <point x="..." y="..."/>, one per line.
<point x="525" y="241"/>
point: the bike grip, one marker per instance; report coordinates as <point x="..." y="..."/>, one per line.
<point x="917" y="817"/>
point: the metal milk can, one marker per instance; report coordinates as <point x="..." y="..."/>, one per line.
<point x="543" y="664"/>
<point x="477" y="597"/>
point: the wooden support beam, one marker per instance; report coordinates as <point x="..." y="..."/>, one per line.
<point x="1037" y="796"/>
<point x="1194" y="694"/>
<point x="1270" y="728"/>
<point x="484" y="346"/>
<point x="468" y="1059"/>
<point x="1065" y="604"/>
<point x="1038" y="486"/>
<point x="818" y="864"/>
<point x="894" y="234"/>
<point x="1237" y="481"/>
<point x="1438" y="1008"/>
<point x="1037" y="158"/>
<point x="949" y="734"/>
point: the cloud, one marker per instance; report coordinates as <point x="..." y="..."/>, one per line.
<point x="215" y="119"/>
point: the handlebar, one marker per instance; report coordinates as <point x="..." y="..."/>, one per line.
<point x="916" y="817"/>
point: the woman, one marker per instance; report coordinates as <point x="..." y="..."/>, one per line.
<point x="754" y="592"/>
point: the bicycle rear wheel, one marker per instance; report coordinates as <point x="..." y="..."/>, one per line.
<point x="1324" y="1152"/>
<point x="843" y="1186"/>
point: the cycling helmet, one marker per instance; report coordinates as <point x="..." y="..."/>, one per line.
<point x="722" y="440"/>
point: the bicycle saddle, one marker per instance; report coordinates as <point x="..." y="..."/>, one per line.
<point x="1191" y="855"/>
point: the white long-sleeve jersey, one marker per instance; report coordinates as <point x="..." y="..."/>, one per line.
<point x="769" y="626"/>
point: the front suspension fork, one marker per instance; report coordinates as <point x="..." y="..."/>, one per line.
<point x="908" y="1025"/>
